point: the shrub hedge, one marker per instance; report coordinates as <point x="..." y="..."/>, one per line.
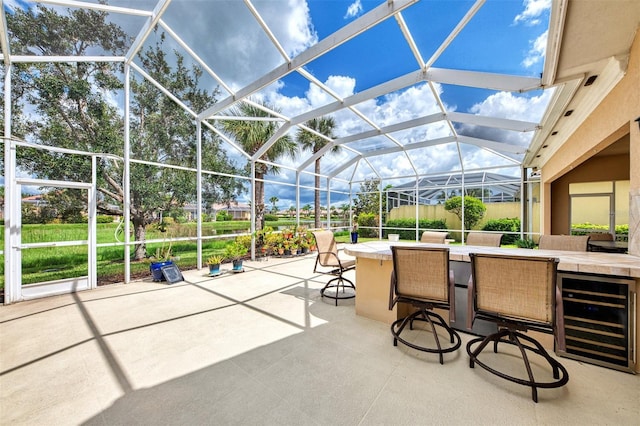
<point x="410" y="224"/>
<point x="367" y="220"/>
<point x="223" y="215"/>
<point x="504" y="225"/>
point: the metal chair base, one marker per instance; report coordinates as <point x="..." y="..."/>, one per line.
<point x="338" y="283"/>
<point x="513" y="337"/>
<point x="425" y="315"/>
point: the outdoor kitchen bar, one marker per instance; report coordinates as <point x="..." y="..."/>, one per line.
<point x="374" y="265"/>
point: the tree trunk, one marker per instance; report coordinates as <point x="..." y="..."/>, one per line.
<point x="259" y="201"/>
<point x="139" y="232"/>
<point x="316" y="205"/>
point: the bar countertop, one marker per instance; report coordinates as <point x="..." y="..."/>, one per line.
<point x="622" y="265"/>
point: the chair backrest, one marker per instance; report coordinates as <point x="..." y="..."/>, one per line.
<point x="600" y="236"/>
<point x="327" y="248"/>
<point x="564" y="242"/>
<point x="421" y="272"/>
<point x="484" y="239"/>
<point x="433" y="237"/>
<point x="519" y="288"/>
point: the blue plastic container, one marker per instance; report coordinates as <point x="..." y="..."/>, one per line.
<point x="156" y="269"/>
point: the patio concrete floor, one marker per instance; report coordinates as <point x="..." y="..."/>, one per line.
<point x="260" y="347"/>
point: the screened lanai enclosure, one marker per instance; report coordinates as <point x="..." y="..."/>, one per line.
<point x="133" y="109"/>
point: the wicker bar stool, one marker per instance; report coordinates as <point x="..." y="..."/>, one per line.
<point x="564" y="242"/>
<point x="434" y="237"/>
<point x="518" y="293"/>
<point x="328" y="257"/>
<point x="421" y="277"/>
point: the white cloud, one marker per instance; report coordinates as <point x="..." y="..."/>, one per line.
<point x="232" y="42"/>
<point x="537" y="52"/>
<point x="342" y="86"/>
<point x="353" y="10"/>
<point x="403" y="105"/>
<point x="508" y="105"/>
<point x="15" y="4"/>
<point x="298" y="32"/>
<point x="503" y="105"/>
<point x="533" y="9"/>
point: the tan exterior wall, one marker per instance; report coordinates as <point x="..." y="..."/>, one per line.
<point x="615" y="167"/>
<point x="494" y="211"/>
<point x="611" y="120"/>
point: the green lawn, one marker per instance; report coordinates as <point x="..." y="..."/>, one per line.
<point x="52" y="263"/>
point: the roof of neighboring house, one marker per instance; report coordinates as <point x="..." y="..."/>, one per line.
<point x="34" y="199"/>
<point x="432" y="187"/>
<point x="231" y="207"/>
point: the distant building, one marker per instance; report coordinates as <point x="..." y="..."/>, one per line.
<point x="489" y="187"/>
<point x="238" y="211"/>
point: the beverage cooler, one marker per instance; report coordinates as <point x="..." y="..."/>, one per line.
<point x="599" y="319"/>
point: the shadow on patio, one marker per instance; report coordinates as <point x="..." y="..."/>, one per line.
<point x="258" y="348"/>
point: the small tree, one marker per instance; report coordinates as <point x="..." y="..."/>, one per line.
<point x="368" y="199"/>
<point x="274" y="201"/>
<point x="345" y="210"/>
<point x="474" y="210"/>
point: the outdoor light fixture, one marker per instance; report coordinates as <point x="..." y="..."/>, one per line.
<point x="590" y="80"/>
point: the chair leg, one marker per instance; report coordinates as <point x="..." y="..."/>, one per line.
<point x="560" y="374"/>
<point x="406" y="320"/>
<point x="337" y="283"/>
<point x="432" y="319"/>
<point x="494" y="337"/>
<point x="437" y="339"/>
<point x="534" y="390"/>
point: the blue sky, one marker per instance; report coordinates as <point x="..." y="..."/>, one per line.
<point x="504" y="36"/>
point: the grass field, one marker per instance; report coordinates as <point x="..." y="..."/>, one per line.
<point x="53" y="263"/>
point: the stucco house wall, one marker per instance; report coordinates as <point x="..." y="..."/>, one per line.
<point x="613" y="119"/>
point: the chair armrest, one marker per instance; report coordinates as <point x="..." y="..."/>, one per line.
<point x="452" y="297"/>
<point x="471" y="313"/>
<point x="392" y="286"/>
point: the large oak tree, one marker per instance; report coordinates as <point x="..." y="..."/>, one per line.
<point x="72" y="106"/>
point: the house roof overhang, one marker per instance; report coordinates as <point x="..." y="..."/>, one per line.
<point x="586" y="40"/>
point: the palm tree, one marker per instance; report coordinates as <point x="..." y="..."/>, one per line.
<point x="274" y="200"/>
<point x="345" y="210"/>
<point x="252" y="135"/>
<point x="306" y="209"/>
<point x="308" y="140"/>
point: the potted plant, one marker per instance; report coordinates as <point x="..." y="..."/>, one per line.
<point x="214" y="262"/>
<point x="263" y="239"/>
<point x="354" y="232"/>
<point x="287" y="233"/>
<point x="272" y="241"/>
<point x="312" y="241"/>
<point x="235" y="251"/>
<point x="304" y="245"/>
